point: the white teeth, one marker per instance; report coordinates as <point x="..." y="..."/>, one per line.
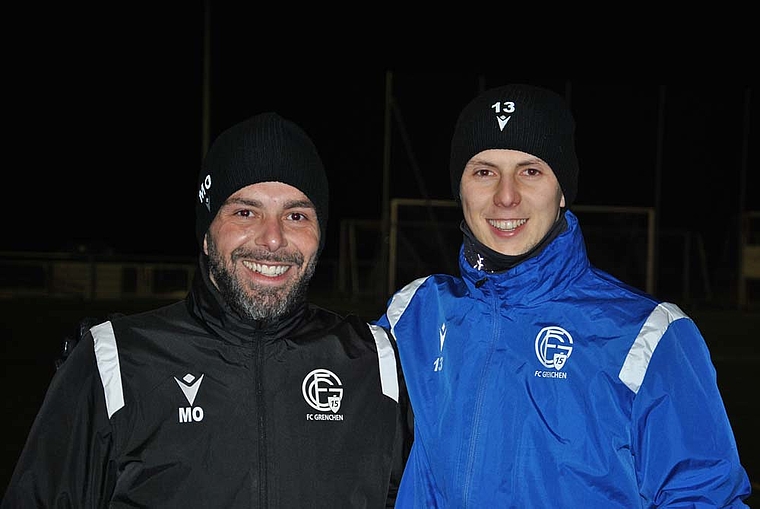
<point x="507" y="225"/>
<point x="267" y="270"/>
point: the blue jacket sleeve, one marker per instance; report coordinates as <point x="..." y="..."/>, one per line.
<point x="684" y="447"/>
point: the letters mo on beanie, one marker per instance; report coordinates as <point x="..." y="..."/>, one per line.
<point x="263" y="148"/>
<point x="518" y="117"/>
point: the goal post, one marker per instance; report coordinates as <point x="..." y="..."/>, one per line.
<point x="435" y="221"/>
<point x="648" y="230"/>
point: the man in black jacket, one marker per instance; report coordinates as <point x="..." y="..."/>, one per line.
<point x="242" y="394"/>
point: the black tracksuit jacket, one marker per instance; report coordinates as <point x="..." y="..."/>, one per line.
<point x="188" y="406"/>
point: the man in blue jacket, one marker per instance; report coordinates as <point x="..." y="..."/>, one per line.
<point x="536" y="379"/>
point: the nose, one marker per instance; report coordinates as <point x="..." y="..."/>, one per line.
<point x="271" y="235"/>
<point x="507" y="194"/>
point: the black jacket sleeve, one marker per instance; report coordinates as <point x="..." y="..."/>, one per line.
<point x="65" y="460"/>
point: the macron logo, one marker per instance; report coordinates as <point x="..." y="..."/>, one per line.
<point x="502" y="121"/>
<point x="189" y="386"/>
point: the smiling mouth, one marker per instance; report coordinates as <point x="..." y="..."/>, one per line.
<point x="267" y="270"/>
<point x="507" y="225"/>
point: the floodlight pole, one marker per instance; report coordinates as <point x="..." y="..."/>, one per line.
<point x="386" y="220"/>
<point x="662" y="97"/>
<point x="206" y="93"/>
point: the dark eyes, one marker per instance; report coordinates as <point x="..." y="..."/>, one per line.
<point x="529" y="171"/>
<point x="293" y="216"/>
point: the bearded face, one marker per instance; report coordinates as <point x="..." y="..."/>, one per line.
<point x="253" y="300"/>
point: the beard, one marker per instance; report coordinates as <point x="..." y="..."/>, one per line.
<point x="258" y="302"/>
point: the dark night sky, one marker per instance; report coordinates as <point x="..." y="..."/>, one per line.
<point x="110" y="140"/>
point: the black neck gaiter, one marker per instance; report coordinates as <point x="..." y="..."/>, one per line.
<point x="484" y="258"/>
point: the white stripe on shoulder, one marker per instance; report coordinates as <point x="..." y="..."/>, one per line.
<point x="107" y="356"/>
<point x="401" y="300"/>
<point x="386" y="357"/>
<point x="637" y="361"/>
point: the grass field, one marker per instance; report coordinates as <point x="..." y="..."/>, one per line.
<point x="32" y="332"/>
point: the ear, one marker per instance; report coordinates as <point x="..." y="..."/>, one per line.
<point x="205" y="244"/>
<point x="562" y="201"/>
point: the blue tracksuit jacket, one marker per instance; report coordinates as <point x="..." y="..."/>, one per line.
<point x="554" y="385"/>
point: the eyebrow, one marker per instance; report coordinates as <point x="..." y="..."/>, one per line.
<point x="481" y="162"/>
<point x="299" y="204"/>
<point x="531" y="161"/>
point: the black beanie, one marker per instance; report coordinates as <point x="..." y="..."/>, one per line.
<point x="263" y="148"/>
<point x="518" y="117"/>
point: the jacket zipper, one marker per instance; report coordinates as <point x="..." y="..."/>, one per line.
<point x="261" y="418"/>
<point x="481" y="390"/>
